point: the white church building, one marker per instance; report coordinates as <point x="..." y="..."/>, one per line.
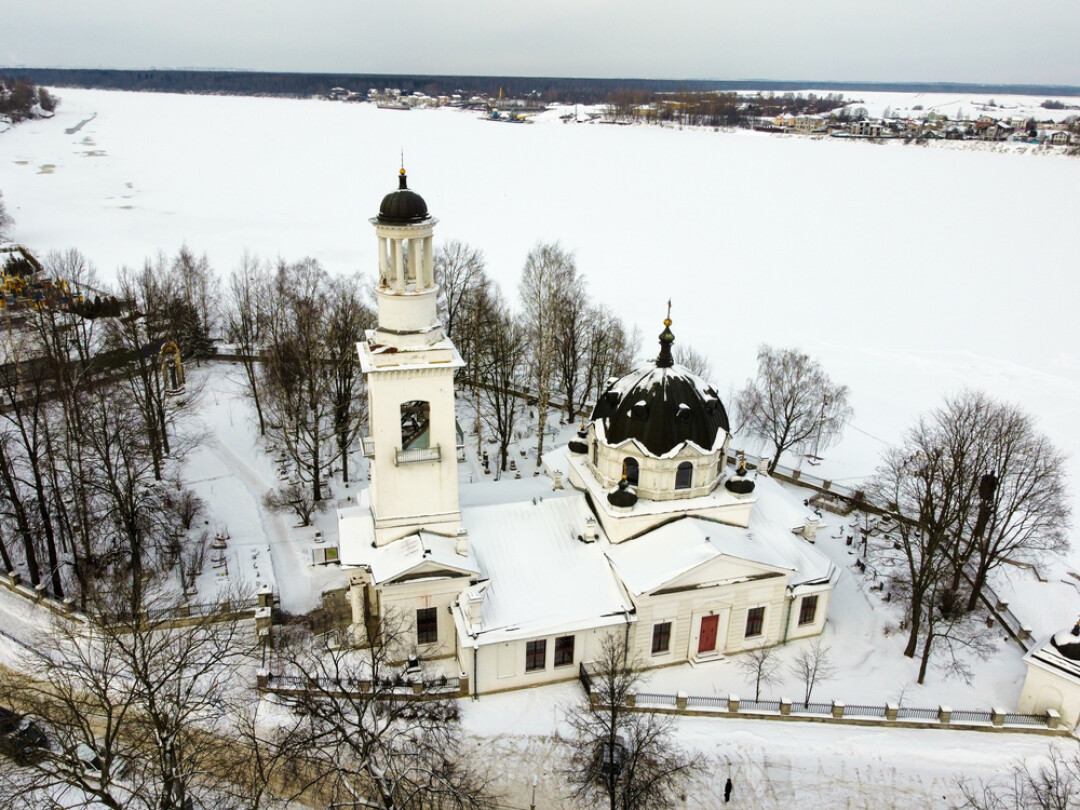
<point x="641" y="527"/>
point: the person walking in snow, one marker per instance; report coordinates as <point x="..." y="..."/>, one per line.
<point x="727" y="790"/>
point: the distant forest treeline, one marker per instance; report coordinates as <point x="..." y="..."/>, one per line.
<point x="548" y="89"/>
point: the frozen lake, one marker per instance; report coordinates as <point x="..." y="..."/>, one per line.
<point x="909" y="272"/>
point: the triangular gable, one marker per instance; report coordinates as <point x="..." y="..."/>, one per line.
<point x="427" y="570"/>
<point x="722" y="569"/>
<point x="692" y="551"/>
<point x="418" y="555"/>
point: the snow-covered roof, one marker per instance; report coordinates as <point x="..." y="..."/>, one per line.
<point x="356" y="535"/>
<point x="664" y="554"/>
<point x="542" y="578"/>
<point x="675" y="548"/>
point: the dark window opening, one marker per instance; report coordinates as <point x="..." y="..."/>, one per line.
<point x="661" y="637"/>
<point x="630" y="470"/>
<point x="684" y="475"/>
<point x="427" y="626"/>
<point x="755" y="620"/>
<point x="535" y="655"/>
<point x="564" y="651"/>
<point x="808" y="609"/>
<point x="415" y="427"/>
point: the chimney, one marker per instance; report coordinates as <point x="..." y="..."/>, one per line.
<point x="461" y="543"/>
<point x="590" y="530"/>
<point x="475" y="606"/>
<point x="763" y="465"/>
<point x="810" y="527"/>
<point x="556" y="479"/>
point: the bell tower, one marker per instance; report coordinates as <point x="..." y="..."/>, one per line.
<point x="409" y="364"/>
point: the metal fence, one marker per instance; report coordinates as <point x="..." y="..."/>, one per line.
<point x="968" y="716"/>
<point x="1014" y="719"/>
<point x="298" y="684"/>
<point x="835" y="711"/>
<point x="855" y="710"/>
<point x="906" y="713"/>
<point x="700" y="702"/>
<point x="656" y="699"/>
<point x="759" y="705"/>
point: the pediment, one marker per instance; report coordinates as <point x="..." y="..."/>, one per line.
<point x="721" y="570"/>
<point x="430" y="570"/>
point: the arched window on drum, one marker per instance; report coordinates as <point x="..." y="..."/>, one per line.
<point x="630" y="470"/>
<point x="684" y="475"/>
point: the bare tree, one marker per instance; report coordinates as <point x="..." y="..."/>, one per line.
<point x="571" y="331"/>
<point x="692" y="360"/>
<point x="812" y="665"/>
<point x="1022" y="512"/>
<point x="620" y="757"/>
<point x="1053" y="784"/>
<point x="248" y="288"/>
<point x="298" y="374"/>
<point x="929" y="494"/>
<point x="500" y="362"/>
<point x="548" y="281"/>
<point x="761" y="665"/>
<point x="611" y="349"/>
<point x="792" y="402"/>
<point x="459" y="271"/>
<point x="971" y="480"/>
<point x="131" y="703"/>
<point x="359" y="741"/>
<point x="156" y="313"/>
<point x="295" y="498"/>
<point x="348" y="319"/>
<point x="5" y="218"/>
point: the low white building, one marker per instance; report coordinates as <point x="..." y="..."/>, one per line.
<point x="1053" y="678"/>
<point x="514" y="584"/>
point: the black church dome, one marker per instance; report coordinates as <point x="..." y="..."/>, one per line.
<point x="403" y="206"/>
<point x="662" y="406"/>
<point x="1068" y="643"/>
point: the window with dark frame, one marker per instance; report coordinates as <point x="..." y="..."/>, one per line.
<point x="564" y="651"/>
<point x="661" y="637"/>
<point x="755" y="619"/>
<point x="427" y="626"/>
<point x="684" y="475"/>
<point x="630" y="470"/>
<point x="808" y="609"/>
<point x="535" y="655"/>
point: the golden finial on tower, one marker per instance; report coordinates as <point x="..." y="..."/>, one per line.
<point x="667" y="320"/>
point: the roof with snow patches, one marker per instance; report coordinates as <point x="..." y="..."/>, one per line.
<point x="662" y="406"/>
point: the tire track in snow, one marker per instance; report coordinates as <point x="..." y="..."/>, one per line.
<point x="283" y="557"/>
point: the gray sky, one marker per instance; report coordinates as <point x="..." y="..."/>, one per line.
<point x="992" y="41"/>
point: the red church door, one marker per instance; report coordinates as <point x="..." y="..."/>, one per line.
<point x="707" y="637"/>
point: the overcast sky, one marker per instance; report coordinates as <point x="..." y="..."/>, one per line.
<point x="990" y="41"/>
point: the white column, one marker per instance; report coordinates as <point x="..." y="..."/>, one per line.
<point x="416" y="262"/>
<point x="429" y="262"/>
<point x="384" y="265"/>
<point x="399" y="266"/>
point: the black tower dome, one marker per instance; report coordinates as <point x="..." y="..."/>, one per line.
<point x="661" y="406"/>
<point x="402" y="207"/>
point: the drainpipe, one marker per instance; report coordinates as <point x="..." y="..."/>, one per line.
<point x="787" y="619"/>
<point x="475" y="675"/>
<point x="626" y="638"/>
